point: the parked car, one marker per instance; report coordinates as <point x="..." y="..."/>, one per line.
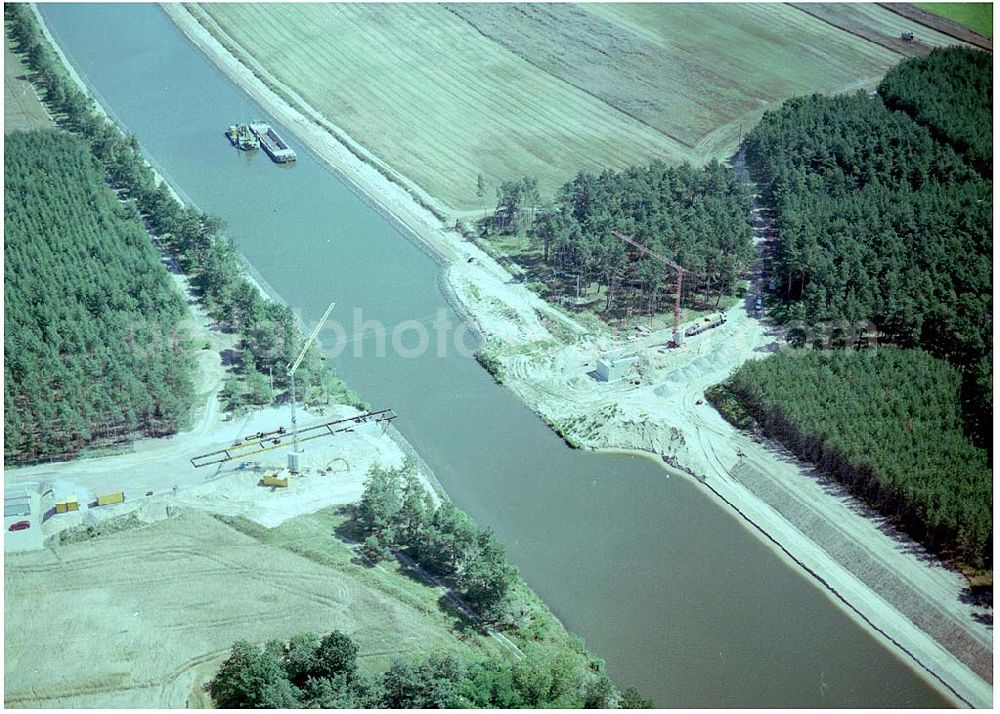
<point x="19" y="526"/>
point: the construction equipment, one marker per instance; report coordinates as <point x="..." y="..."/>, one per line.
<point x="245" y="450"/>
<point x="679" y="284"/>
<point x="109" y="499"/>
<point x="273" y="481"/>
<point x="708" y="324"/>
<point x="294" y="454"/>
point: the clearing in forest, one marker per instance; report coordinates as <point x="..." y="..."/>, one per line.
<point x="444" y="93"/>
<point x="21" y="108"/>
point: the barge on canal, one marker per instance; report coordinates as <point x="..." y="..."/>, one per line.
<point x="242" y="137"/>
<point x="273" y="144"/>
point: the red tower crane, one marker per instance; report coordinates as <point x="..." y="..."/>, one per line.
<point x="678" y="338"/>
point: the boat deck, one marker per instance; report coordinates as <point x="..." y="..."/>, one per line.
<point x="273" y="144"/>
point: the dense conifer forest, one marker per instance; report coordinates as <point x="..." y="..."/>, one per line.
<point x="886" y="221"/>
<point x="699" y="218"/>
<point x="951" y="92"/>
<point x="882" y="223"/>
<point x="269" y="336"/>
<point x="887" y="422"/>
<point x="93" y="349"/>
<point x="878" y="222"/>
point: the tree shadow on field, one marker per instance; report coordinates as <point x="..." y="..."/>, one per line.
<point x="462" y="625"/>
<point x="349" y="533"/>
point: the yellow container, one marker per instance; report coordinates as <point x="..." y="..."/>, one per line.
<point x="272" y="480"/>
<point x="73" y="504"/>
<point x="111" y="498"/>
<point x="61" y="507"/>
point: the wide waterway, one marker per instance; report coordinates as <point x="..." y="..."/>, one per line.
<point x="664" y="583"/>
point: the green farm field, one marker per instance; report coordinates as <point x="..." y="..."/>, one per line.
<point x="976" y="16"/>
<point x="444" y="93"/>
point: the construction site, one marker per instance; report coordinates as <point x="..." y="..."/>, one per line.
<point x="255" y="469"/>
<point x="130" y="574"/>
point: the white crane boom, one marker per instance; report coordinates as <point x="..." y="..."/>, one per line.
<point x="291" y="367"/>
<point x="293" y="457"/>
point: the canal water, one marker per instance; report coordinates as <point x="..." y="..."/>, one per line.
<point x="663" y="582"/>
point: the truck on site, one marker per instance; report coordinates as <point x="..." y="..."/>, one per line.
<point x="110" y="499"/>
<point x="706" y="325"/>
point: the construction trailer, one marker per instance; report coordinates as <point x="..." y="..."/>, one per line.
<point x="68" y="505"/>
<point x="110" y="499"/>
<point x="274" y="481"/>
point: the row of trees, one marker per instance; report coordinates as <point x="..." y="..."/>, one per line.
<point x="314" y="673"/>
<point x="886" y="422"/>
<point x="397" y="513"/>
<point x="950" y="91"/>
<point x="699" y="218"/>
<point x="880" y="223"/>
<point x="268" y="330"/>
<point x="95" y="350"/>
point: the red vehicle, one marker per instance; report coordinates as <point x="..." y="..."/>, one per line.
<point x="19" y="526"/>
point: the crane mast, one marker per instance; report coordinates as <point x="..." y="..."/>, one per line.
<point x="678" y="284"/>
<point x="291" y="367"/>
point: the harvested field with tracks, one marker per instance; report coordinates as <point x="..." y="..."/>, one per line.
<point x="142" y="618"/>
<point x="443" y="93"/>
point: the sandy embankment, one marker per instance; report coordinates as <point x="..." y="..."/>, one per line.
<point x="545" y="357"/>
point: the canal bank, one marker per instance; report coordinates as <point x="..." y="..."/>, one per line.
<point x="884" y="584"/>
<point x="660" y="580"/>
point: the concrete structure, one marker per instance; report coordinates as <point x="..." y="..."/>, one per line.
<point x="612" y="366"/>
